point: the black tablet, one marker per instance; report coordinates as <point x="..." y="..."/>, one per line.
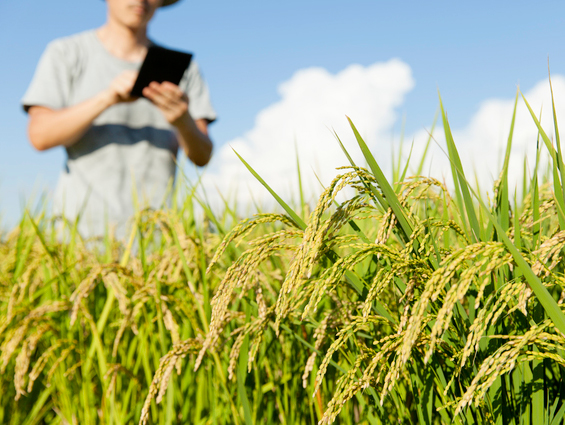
<point x="160" y="65"/>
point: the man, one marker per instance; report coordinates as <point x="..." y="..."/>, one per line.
<point x="79" y="98"/>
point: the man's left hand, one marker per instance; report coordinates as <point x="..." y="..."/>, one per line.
<point x="169" y="98"/>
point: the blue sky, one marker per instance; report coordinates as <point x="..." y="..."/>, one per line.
<point x="471" y="51"/>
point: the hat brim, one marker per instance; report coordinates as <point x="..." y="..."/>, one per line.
<point x="168" y="2"/>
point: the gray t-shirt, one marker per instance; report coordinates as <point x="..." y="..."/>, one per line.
<point x="129" y="148"/>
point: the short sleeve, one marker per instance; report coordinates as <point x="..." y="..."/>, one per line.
<point x="50" y="85"/>
<point x="199" y="103"/>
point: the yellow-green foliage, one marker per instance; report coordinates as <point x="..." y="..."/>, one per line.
<point x="93" y="331"/>
<point x="436" y="311"/>
<point x="406" y="303"/>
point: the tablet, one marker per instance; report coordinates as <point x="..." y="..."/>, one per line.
<point x="160" y="65"/>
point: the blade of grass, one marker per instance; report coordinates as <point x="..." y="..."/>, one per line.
<point x="299" y="222"/>
<point x="403" y="175"/>
<point x="557" y="419"/>
<point x="430" y="137"/>
<point x="557" y="183"/>
<point x="300" y="186"/>
<point x="382" y="201"/>
<point x="557" y="140"/>
<point x="536" y="201"/>
<point x="462" y="186"/>
<point x="542" y="294"/>
<point x="396" y="161"/>
<point x="242" y="374"/>
<point x="503" y="196"/>
<point x="383" y="183"/>
<point x="388" y="192"/>
<point x="33" y="416"/>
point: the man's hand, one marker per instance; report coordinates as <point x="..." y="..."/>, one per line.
<point x="63" y="127"/>
<point x="120" y="88"/>
<point x="192" y="135"/>
<point x="170" y="99"/>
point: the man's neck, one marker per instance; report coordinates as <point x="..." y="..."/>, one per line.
<point x="123" y="42"/>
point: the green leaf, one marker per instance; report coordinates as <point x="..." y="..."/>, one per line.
<point x="299" y="222"/>
<point x="558" y="142"/>
<point x="462" y="187"/>
<point x="383" y="183"/>
<point x="541" y="292"/>
<point x="242" y="374"/>
<point x="557" y="165"/>
<point x="503" y="201"/>
<point x="382" y="201"/>
<point x="430" y="137"/>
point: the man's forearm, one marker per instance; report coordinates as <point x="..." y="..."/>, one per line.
<point x="193" y="138"/>
<point x="192" y="134"/>
<point x="49" y="128"/>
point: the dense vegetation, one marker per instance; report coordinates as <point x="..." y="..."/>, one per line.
<point x="406" y="303"/>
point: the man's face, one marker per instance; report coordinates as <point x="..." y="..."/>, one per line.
<point x="133" y="14"/>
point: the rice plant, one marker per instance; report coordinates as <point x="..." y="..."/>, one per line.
<point x="406" y="303"/>
<point x="430" y="306"/>
<point x="93" y="331"/>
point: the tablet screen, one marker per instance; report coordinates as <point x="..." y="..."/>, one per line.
<point x="160" y="65"/>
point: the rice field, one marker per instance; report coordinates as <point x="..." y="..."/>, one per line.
<point x="406" y="303"/>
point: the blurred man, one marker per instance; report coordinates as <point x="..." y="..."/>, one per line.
<point x="79" y="98"/>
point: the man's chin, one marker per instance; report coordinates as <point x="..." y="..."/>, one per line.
<point x="137" y="24"/>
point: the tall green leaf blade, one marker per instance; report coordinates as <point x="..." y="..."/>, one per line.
<point x="557" y="183"/>
<point x="396" y="162"/>
<point x="382" y="201"/>
<point x="503" y="200"/>
<point x="557" y="419"/>
<point x="558" y="142"/>
<point x="542" y="132"/>
<point x="282" y="203"/>
<point x="542" y="294"/>
<point x="241" y="375"/>
<point x="544" y="297"/>
<point x="536" y="202"/>
<point x="383" y="183"/>
<point x="405" y="170"/>
<point x="428" y="142"/>
<point x="300" y="185"/>
<point x="461" y="184"/>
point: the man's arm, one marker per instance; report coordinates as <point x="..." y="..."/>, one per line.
<point x="193" y="137"/>
<point x="48" y="128"/>
<point x="192" y="134"/>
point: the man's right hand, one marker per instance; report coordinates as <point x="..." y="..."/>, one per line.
<point x="120" y="88"/>
<point x="48" y="128"/>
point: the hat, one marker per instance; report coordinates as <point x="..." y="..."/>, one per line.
<point x="168" y="2"/>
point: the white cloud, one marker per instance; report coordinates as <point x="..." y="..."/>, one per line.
<point x="313" y="101"/>
<point x="482" y="142"/>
